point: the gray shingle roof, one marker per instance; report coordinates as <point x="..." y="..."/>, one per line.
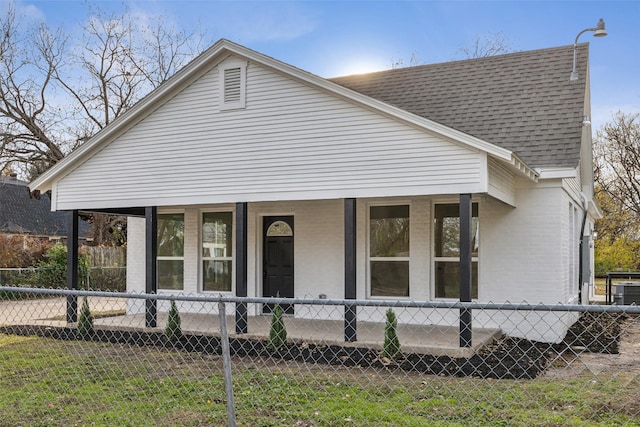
<point x="522" y="101"/>
<point x="24" y="215"/>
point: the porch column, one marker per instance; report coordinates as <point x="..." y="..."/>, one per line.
<point x="151" y="272"/>
<point x="465" y="268"/>
<point x="72" y="265"/>
<point x="350" y="332"/>
<point x="241" y="267"/>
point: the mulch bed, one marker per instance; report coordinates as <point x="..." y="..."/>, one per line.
<point x="507" y="358"/>
<point x="596" y="332"/>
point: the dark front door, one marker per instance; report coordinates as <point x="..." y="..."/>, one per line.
<point x="277" y="268"/>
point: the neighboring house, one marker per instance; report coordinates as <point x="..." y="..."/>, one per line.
<point x="23" y="215"/>
<point x="258" y="178"/>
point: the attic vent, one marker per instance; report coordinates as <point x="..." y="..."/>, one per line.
<point x="232" y="85"/>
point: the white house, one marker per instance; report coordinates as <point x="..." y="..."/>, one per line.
<point x="243" y="175"/>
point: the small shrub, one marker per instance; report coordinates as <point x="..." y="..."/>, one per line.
<point x="277" y="331"/>
<point x="173" y="330"/>
<point x="85" y="321"/>
<point x="391" y="346"/>
<point x="52" y="271"/>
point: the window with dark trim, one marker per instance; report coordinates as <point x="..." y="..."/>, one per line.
<point x="217" y="251"/>
<point x="447" y="251"/>
<point x="389" y="251"/>
<point x="170" y="260"/>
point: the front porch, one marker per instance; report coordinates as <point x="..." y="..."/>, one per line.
<point x="432" y="340"/>
<point x="326" y="230"/>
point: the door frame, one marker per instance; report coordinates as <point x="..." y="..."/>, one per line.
<point x="260" y="259"/>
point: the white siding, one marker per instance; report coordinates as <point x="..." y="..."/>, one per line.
<point x="521" y="249"/>
<point x="501" y="182"/>
<point x="291" y="142"/>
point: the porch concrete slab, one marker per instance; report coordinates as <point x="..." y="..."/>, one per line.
<point x="421" y="339"/>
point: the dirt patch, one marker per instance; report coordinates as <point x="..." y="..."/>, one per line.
<point x="619" y="346"/>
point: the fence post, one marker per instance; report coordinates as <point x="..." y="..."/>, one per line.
<point x="226" y="364"/>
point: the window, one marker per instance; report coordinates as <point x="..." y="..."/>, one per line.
<point x="447" y="251"/>
<point x="389" y="251"/>
<point x="217" y="251"/>
<point x="232" y="85"/>
<point x="171" y="251"/>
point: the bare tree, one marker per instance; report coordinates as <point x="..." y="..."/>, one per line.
<point x="484" y="45"/>
<point x="617" y="161"/>
<point x="56" y="94"/>
<point x="399" y="63"/>
<point x="28" y="124"/>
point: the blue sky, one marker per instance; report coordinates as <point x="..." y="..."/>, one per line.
<point x="331" y="38"/>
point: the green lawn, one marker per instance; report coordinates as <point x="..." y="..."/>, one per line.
<point x="45" y="382"/>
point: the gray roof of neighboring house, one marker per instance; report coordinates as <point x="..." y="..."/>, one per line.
<point x="522" y="101"/>
<point x="21" y="214"/>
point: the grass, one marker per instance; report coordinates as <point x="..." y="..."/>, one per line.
<point x="65" y="383"/>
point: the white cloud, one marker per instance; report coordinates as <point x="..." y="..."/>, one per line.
<point x="25" y="12"/>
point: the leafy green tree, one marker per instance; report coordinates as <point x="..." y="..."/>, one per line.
<point x="52" y="271"/>
<point x="618" y="255"/>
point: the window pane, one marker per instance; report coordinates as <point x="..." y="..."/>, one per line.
<point x="170" y="274"/>
<point x="216" y="276"/>
<point x="448" y="279"/>
<point x="171" y="235"/>
<point x="447" y="233"/>
<point x="390" y="278"/>
<point x="217" y="234"/>
<point x="389" y="231"/>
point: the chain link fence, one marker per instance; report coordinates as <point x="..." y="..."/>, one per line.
<point x="98" y="358"/>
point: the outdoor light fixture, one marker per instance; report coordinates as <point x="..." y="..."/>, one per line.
<point x="598" y="31"/>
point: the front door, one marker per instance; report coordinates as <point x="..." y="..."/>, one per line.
<point x="277" y="268"/>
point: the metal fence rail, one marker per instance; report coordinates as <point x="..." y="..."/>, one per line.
<point x="529" y="364"/>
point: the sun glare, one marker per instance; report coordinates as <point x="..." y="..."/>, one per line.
<point x="362" y="66"/>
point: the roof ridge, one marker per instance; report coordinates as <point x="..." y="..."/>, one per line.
<point x="461" y="61"/>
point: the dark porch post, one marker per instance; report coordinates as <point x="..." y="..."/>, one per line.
<point x="350" y="330"/>
<point x="72" y="265"/>
<point x="465" y="268"/>
<point x="151" y="273"/>
<point x="241" y="267"/>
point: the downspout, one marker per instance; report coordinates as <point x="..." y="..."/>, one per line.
<point x="585" y="206"/>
